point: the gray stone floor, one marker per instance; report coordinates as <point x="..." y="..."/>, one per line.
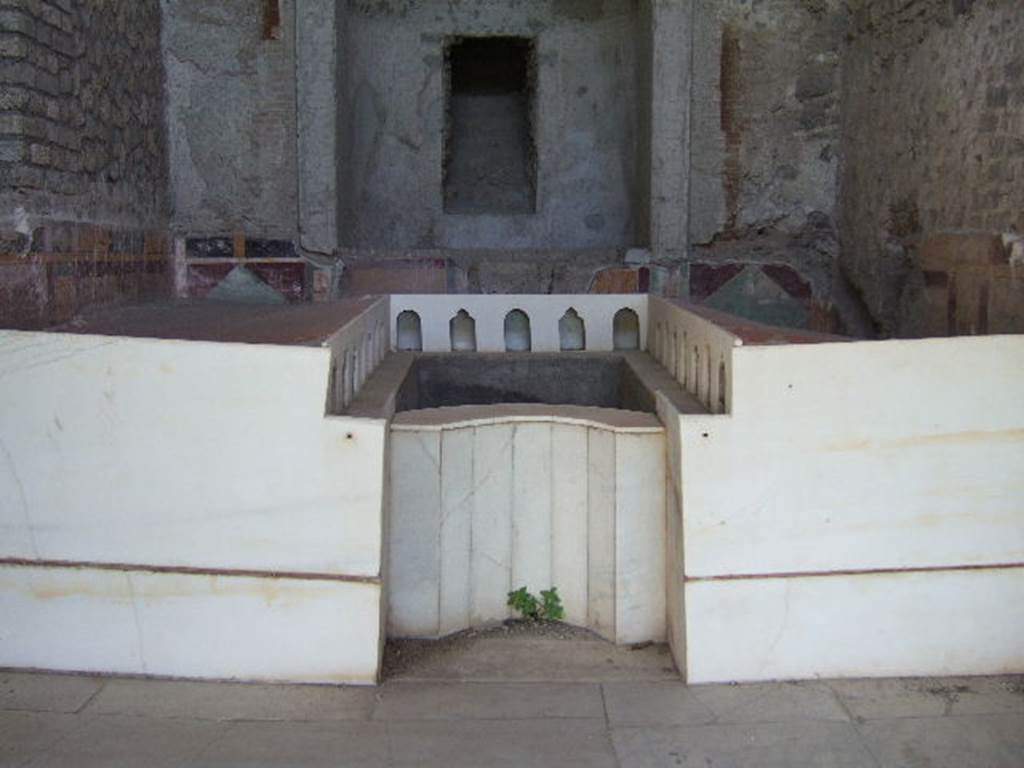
<point x="515" y="704"/>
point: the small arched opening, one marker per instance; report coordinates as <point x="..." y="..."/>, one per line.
<point x="409" y="334"/>
<point x="626" y="330"/>
<point x="462" y="329"/>
<point x="708" y="381"/>
<point x="572" y="332"/>
<point x="695" y="381"/>
<point x="517" y="332"/>
<point x="721" y="387"/>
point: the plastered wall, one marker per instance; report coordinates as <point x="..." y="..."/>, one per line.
<point x="231" y="119"/>
<point x="584" y="135"/>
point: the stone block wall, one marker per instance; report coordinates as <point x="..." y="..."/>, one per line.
<point x="82" y="157"/>
<point x="933" y="145"/>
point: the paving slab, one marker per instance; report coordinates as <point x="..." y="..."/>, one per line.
<point x="297" y="745"/>
<point x="771" y="702"/>
<point x="983" y="741"/>
<point x="931" y="697"/>
<point x="874" y="699"/>
<point x="643" y="704"/>
<point x="487" y="701"/>
<point x="520" y="743"/>
<point x="46" y="693"/>
<point x="545" y="660"/>
<point x="154" y="723"/>
<point x="130" y="742"/>
<point x="808" y="744"/>
<point x="24" y="735"/>
<point x="986" y="695"/>
<point x="232" y="701"/>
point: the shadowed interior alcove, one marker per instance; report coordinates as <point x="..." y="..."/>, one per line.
<point x="489" y="150"/>
<point x="512" y="126"/>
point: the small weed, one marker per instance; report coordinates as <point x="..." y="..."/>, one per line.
<point x="551" y="604"/>
<point x="548" y="607"/>
<point x="525" y="603"/>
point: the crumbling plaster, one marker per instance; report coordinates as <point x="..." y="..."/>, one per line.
<point x="764" y="134"/>
<point x="637" y="147"/>
<point x="231" y="119"/>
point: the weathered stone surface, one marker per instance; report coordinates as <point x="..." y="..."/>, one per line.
<point x="765" y="121"/>
<point x="933" y="120"/>
<point x="84" y="79"/>
<point x="81" y="90"/>
<point x="962" y="283"/>
<point x="231" y="118"/>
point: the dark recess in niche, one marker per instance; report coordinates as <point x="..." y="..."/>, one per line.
<point x="490" y="156"/>
<point x="271" y="19"/>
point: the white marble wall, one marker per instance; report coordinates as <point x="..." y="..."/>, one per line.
<point x="857" y="513"/>
<point x="226" y="626"/>
<point x="480" y="510"/>
<point x="150" y="489"/>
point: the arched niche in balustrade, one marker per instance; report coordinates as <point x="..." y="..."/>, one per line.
<point x="357" y="370"/>
<point x="409" y="333"/>
<point x="708" y="393"/>
<point x="682" y="365"/>
<point x="695" y="383"/>
<point x="626" y="329"/>
<point x="722" y="382"/>
<point x="572" y="332"/>
<point x="366" y="350"/>
<point x="517" y="332"/>
<point x="348" y="379"/>
<point x="379" y="343"/>
<point x="335" y="395"/>
<point x="462" y="329"/>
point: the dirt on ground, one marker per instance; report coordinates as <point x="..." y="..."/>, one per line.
<point x="400" y="656"/>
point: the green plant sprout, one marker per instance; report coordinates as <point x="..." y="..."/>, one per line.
<point x="548" y="607"/>
<point x="551" y="605"/>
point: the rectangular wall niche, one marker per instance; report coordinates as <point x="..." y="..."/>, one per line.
<point x="490" y="157"/>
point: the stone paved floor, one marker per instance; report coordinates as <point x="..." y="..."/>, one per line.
<point x="461" y="714"/>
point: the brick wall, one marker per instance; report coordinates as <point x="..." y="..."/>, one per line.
<point x="81" y="111"/>
<point x="933" y="144"/>
<point x="82" y="157"/>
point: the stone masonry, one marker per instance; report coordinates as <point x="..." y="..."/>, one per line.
<point x="83" y="163"/>
<point x="82" y="124"/>
<point x="831" y="164"/>
<point x="933" y="145"/>
<point x="765" y="161"/>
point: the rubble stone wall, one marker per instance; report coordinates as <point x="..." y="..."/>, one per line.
<point x="933" y="145"/>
